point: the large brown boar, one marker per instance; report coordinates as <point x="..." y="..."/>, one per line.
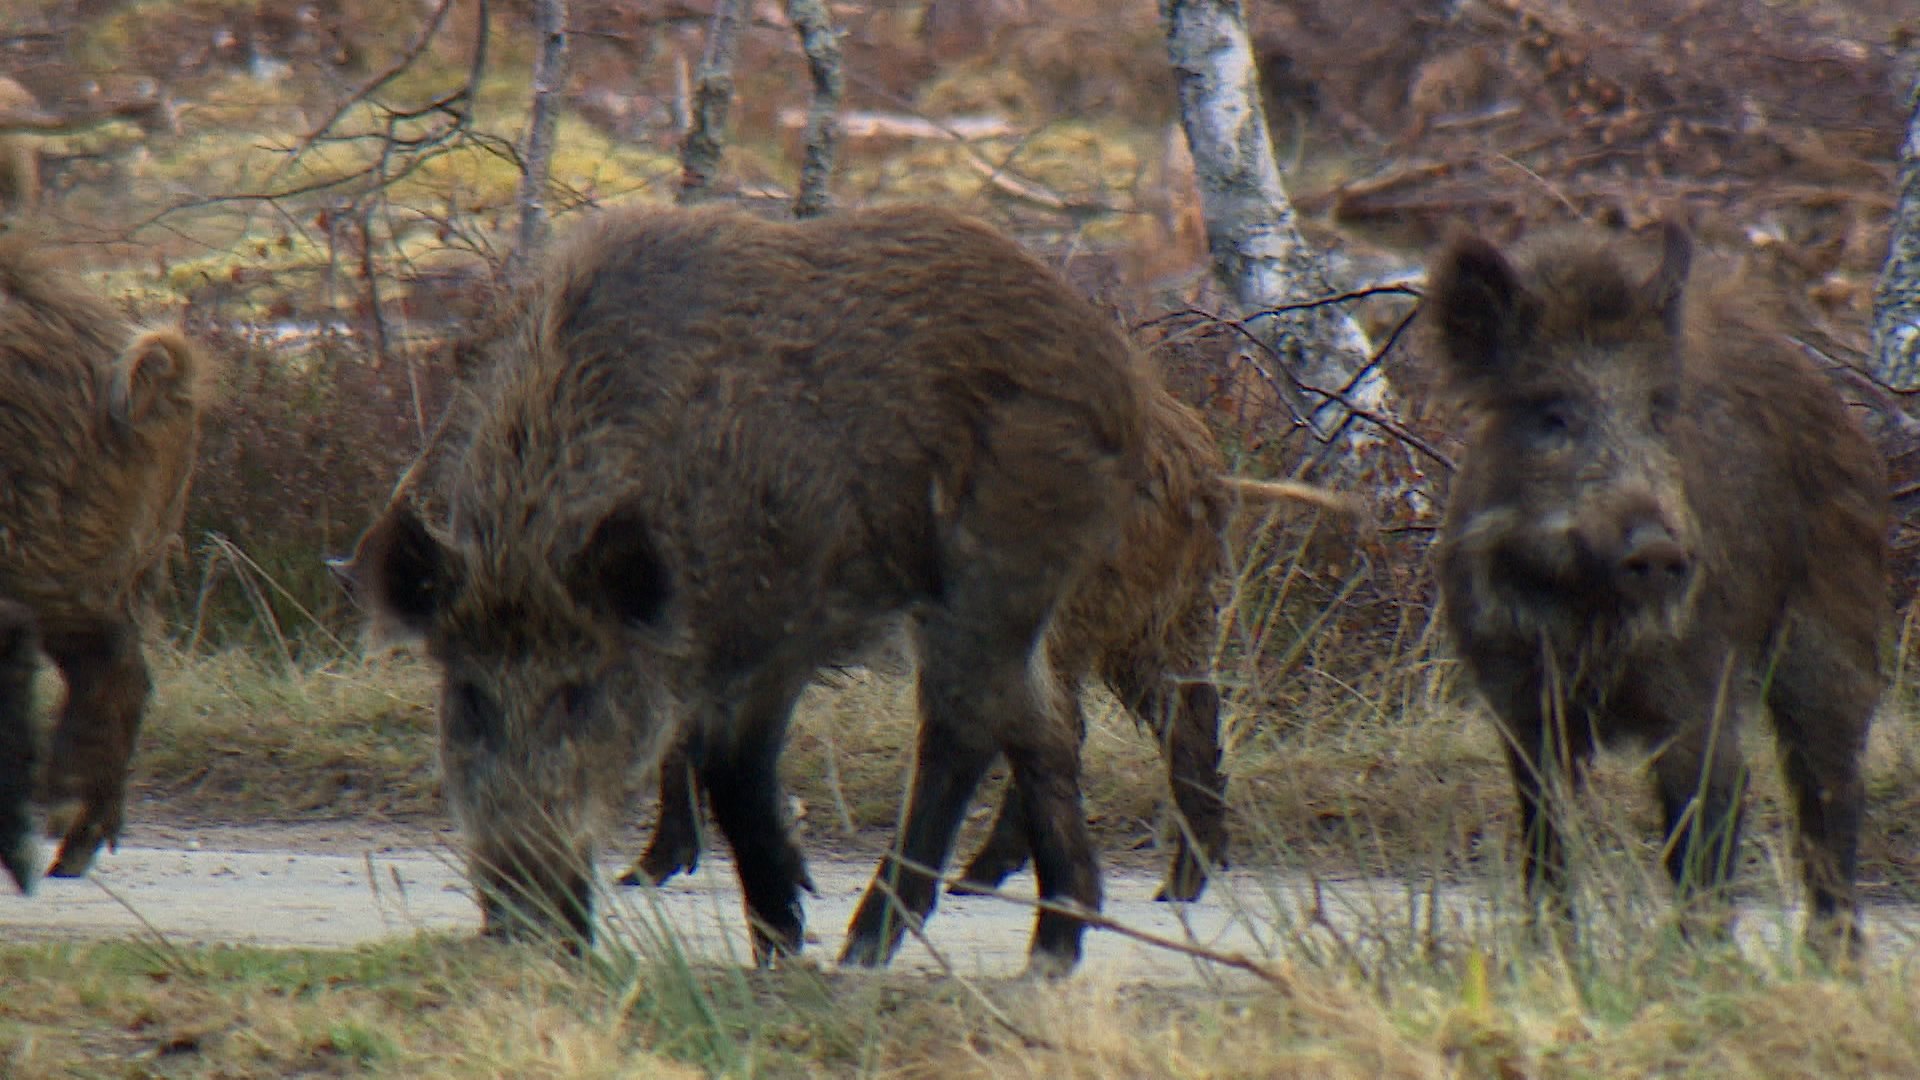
<point x="712" y="454"/>
<point x="98" y="436"/>
<point x="1665" y="520"/>
<point x="1144" y="623"/>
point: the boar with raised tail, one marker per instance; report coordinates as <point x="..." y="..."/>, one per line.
<point x="1665" y="522"/>
<point x="99" y="430"/>
<point x="709" y="454"/>
<point x="1144" y="623"/>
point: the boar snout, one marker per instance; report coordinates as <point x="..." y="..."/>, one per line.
<point x="527" y="898"/>
<point x="1654" y="565"/>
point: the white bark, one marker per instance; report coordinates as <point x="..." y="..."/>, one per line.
<point x="1252" y="234"/>
<point x="821" y="44"/>
<point x="1896" y="300"/>
<point x="712" y="97"/>
<point x="549" y="82"/>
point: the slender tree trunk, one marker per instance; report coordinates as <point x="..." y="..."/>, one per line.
<point x="1258" y="252"/>
<point x="821" y="44"/>
<point x="549" y="82"/>
<point x="1896" y="300"/>
<point x="712" y="95"/>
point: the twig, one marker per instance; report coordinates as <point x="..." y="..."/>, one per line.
<point x="176" y="957"/>
<point x="1238" y="961"/>
<point x="376" y="310"/>
<point x="1384" y="423"/>
<point x="914" y="925"/>
<point x="1334" y="298"/>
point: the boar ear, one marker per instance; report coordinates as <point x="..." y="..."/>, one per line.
<point x="158" y="374"/>
<point x="1477" y="304"/>
<point x="398" y="573"/>
<point x="620" y="571"/>
<point x="1666" y="289"/>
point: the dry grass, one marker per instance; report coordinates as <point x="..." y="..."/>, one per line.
<point x="439" y="1007"/>
<point x="1399" y="780"/>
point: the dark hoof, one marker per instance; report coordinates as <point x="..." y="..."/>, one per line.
<point x="769" y="949"/>
<point x="1185" y="883"/>
<point x="76" y="856"/>
<point x="976" y="882"/>
<point x="865" y="952"/>
<point x="21" y="858"/>
<point x="1051" y="966"/>
<point x="984" y="875"/>
<point x="661" y="862"/>
<point x="874" y="934"/>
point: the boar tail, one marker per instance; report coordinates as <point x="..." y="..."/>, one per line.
<point x="1267" y="492"/>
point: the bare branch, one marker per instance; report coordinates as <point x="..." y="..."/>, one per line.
<point x="394" y="71"/>
<point x="1290" y="389"/>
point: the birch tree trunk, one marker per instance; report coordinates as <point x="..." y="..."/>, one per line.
<point x="1252" y="234"/>
<point x="1896" y="300"/>
<point x="821" y="44"/>
<point x="712" y="96"/>
<point x="549" y="82"/>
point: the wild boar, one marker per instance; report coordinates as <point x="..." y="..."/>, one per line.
<point x="1665" y="520"/>
<point x="97" y="443"/>
<point x="709" y="454"/>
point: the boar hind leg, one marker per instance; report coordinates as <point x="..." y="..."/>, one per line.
<point x="1184" y="716"/>
<point x="1004" y="852"/>
<point x="1046" y="774"/>
<point x="984" y="691"/>
<point x="107" y="687"/>
<point x="1821" y="708"/>
<point x="954" y="748"/>
<point x="675" y="846"/>
<point x="738" y="765"/>
<point x="18" y="657"/>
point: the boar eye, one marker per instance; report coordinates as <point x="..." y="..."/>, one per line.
<point x="1548" y="423"/>
<point x="1661" y="411"/>
<point x="576" y="707"/>
<point x="470" y="718"/>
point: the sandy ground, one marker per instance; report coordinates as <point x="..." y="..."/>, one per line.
<point x="317" y="887"/>
<point x="298" y="889"/>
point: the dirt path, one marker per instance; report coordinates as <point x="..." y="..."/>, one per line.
<point x="297" y="889"/>
<point x="302" y="887"/>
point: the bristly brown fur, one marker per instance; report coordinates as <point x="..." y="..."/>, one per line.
<point x="706" y="454"/>
<point x="1665" y="521"/>
<point x="97" y="442"/>
<point x="1142" y="623"/>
